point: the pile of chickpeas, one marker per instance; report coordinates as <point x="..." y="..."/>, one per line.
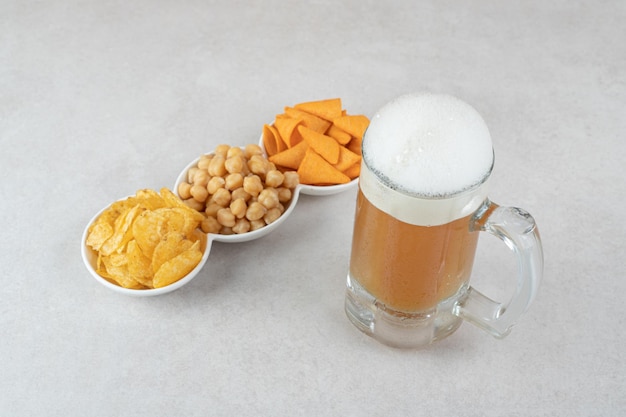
<point x="238" y="189"/>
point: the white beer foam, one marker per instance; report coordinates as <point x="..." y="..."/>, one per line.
<point x="420" y="211"/>
<point x="426" y="159"/>
<point x="431" y="145"/>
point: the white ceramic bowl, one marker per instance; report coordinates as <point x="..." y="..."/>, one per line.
<point x="255" y="234"/>
<point x="90" y="258"/>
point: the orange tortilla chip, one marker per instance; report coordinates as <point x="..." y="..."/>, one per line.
<point x="355" y="145"/>
<point x="272" y="140"/>
<point x="291" y="157"/>
<point x="328" y="109"/>
<point x="309" y="120"/>
<point x="346" y="159"/>
<point x="354" y="171"/>
<point x="314" y="169"/>
<point x="287" y="129"/>
<point x="339" y="135"/>
<point x="355" y="125"/>
<point x="324" y="145"/>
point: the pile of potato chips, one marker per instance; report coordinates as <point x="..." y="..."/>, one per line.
<point x="149" y="240"/>
<point x="319" y="140"/>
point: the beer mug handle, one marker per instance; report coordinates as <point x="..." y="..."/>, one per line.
<point x="517" y="229"/>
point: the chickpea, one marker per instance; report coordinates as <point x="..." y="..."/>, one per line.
<point x="217" y="167"/>
<point x="212" y="209"/>
<point x="226" y="230"/>
<point x="201" y="177"/>
<point x="252" y="149"/>
<point x="199" y="193"/>
<point x="291" y="179"/>
<point x="281" y="208"/>
<point x="194" y="204"/>
<point x="184" y="190"/>
<point x="272" y="215"/>
<point x="210" y="225"/>
<point x="245" y="171"/>
<point x="191" y="174"/>
<point x="255" y="211"/>
<point x="253" y="185"/>
<point x="234" y="151"/>
<point x="268" y="197"/>
<point x="258" y="165"/>
<point x="233" y="181"/>
<point x="238" y="207"/>
<point x="284" y="194"/>
<point x="203" y="162"/>
<point x="225" y="217"/>
<point x="241" y="193"/>
<point x="222" y="150"/>
<point x="241" y="226"/>
<point x="257" y="224"/>
<point x="222" y="197"/>
<point x="215" y="184"/>
<point x="234" y="164"/>
<point x="274" y="178"/>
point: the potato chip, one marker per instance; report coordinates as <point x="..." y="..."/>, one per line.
<point x="198" y="236"/>
<point x="122" y="231"/>
<point x="139" y="265"/>
<point x="328" y="109"/>
<point x="116" y="269"/>
<point x="170" y="246"/>
<point x="290" y="158"/>
<point x="150" y="199"/>
<point x="173" y="201"/>
<point x="315" y="170"/>
<point x="177" y="267"/>
<point x="99" y="233"/>
<point x="325" y="146"/>
<point x="190" y="221"/>
<point x="121" y="206"/>
<point x="148" y="229"/>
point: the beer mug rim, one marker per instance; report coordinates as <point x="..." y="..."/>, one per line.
<point x="422" y="210"/>
<point x="384" y="181"/>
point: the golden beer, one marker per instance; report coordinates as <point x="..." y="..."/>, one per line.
<point x="406" y="267"/>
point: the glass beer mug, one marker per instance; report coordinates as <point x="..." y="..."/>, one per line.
<point x="421" y="204"/>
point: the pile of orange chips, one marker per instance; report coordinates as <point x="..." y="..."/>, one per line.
<point x="319" y="140"/>
<point x="149" y="240"/>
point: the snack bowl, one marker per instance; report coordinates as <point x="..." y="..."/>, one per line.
<point x="320" y="190"/>
<point x="252" y="235"/>
<point x="90" y="258"/>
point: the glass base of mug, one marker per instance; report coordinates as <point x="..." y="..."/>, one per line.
<point x="396" y="328"/>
